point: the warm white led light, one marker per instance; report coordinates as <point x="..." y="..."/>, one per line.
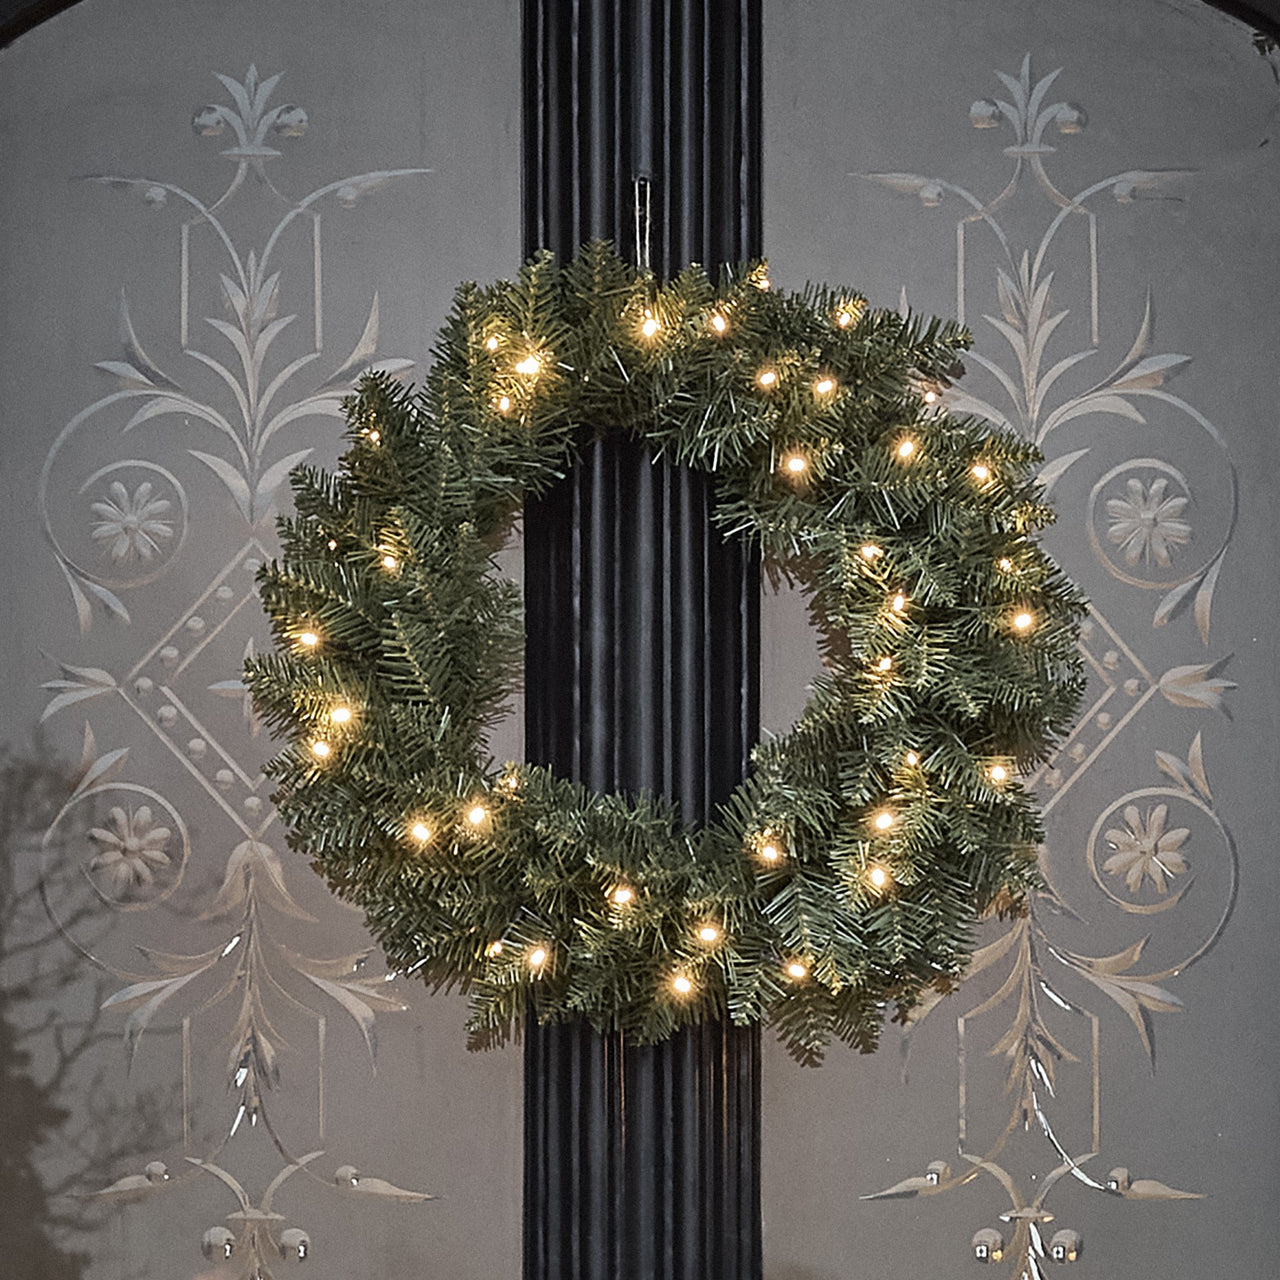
<point x="796" y="464"/>
<point x="719" y="323"/>
<point x="767" y="378"/>
<point x="824" y="386"/>
<point x="708" y="933"/>
<point x="884" y="820"/>
<point x="529" y="366"/>
<point x="681" y="984"/>
<point x="906" y="448"/>
<point x="477" y="814"/>
<point x="878" y="877"/>
<point x="796" y="970"/>
<point x="340" y="715"/>
<point x="320" y="749"/>
<point x="309" y="639"/>
<point x="491" y="344"/>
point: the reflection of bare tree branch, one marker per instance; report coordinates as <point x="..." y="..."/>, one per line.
<point x="50" y="1031"/>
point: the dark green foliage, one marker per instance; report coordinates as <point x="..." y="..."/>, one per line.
<point x="912" y="530"/>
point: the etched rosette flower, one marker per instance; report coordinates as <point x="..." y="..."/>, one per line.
<point x="131" y="853"/>
<point x="129" y="525"/>
<point x="1146" y="525"/>
<point x="1145" y="850"/>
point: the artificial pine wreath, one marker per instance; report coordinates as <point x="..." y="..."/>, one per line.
<point x="853" y="864"/>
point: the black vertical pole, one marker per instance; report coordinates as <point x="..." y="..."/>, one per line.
<point x="642" y="629"/>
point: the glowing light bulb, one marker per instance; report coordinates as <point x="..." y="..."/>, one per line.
<point x="898" y="603"/>
<point x="1022" y="621"/>
<point x="869" y="551"/>
<point x="981" y="473"/>
<point x="622" y="895"/>
<point x="762" y="282"/>
<point x="491" y="344"/>
<point x="320" y="749"/>
<point x="906" y="448"/>
<point x="767" y="378"/>
<point x="681" y="984"/>
<point x="770" y="852"/>
<point x="340" y="715"/>
<point x="333" y="544"/>
<point x="420" y="832"/>
<point x="537" y="957"/>
<point x="878" y="877"/>
<point x="719" y="323"/>
<point x="477" y="815"/>
<point x="884" y="820"/>
<point x="650" y="326"/>
<point x="796" y="970"/>
<point x="493" y="950"/>
<point x="797" y="464"/>
<point x="389" y="562"/>
<point x="998" y="773"/>
<point x="708" y="933"/>
<point x="309" y="639"/>
<point x="1004" y="564"/>
<point x="824" y="386"/>
<point x="885" y="664"/>
<point x="844" y="318"/>
<point x="929" y="396"/>
<point x="375" y="437"/>
<point x="912" y="759"/>
<point x="529" y="366"/>
<point x="503" y="404"/>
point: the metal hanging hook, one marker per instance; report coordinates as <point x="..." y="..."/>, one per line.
<point x="643" y="191"/>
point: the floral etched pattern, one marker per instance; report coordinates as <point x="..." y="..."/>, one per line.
<point x="1146" y="524"/>
<point x="238" y="993"/>
<point x="132" y="851"/>
<point x="1145" y="850"/>
<point x="1035" y="1021"/>
<point x="129" y="525"/>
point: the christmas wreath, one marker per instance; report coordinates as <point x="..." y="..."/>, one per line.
<point x="852" y="866"/>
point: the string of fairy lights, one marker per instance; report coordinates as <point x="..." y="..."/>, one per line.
<point x="446" y="883"/>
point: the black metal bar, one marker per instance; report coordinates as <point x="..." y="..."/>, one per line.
<point x="642" y="634"/>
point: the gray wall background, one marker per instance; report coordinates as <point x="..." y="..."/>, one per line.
<point x="1124" y="247"/>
